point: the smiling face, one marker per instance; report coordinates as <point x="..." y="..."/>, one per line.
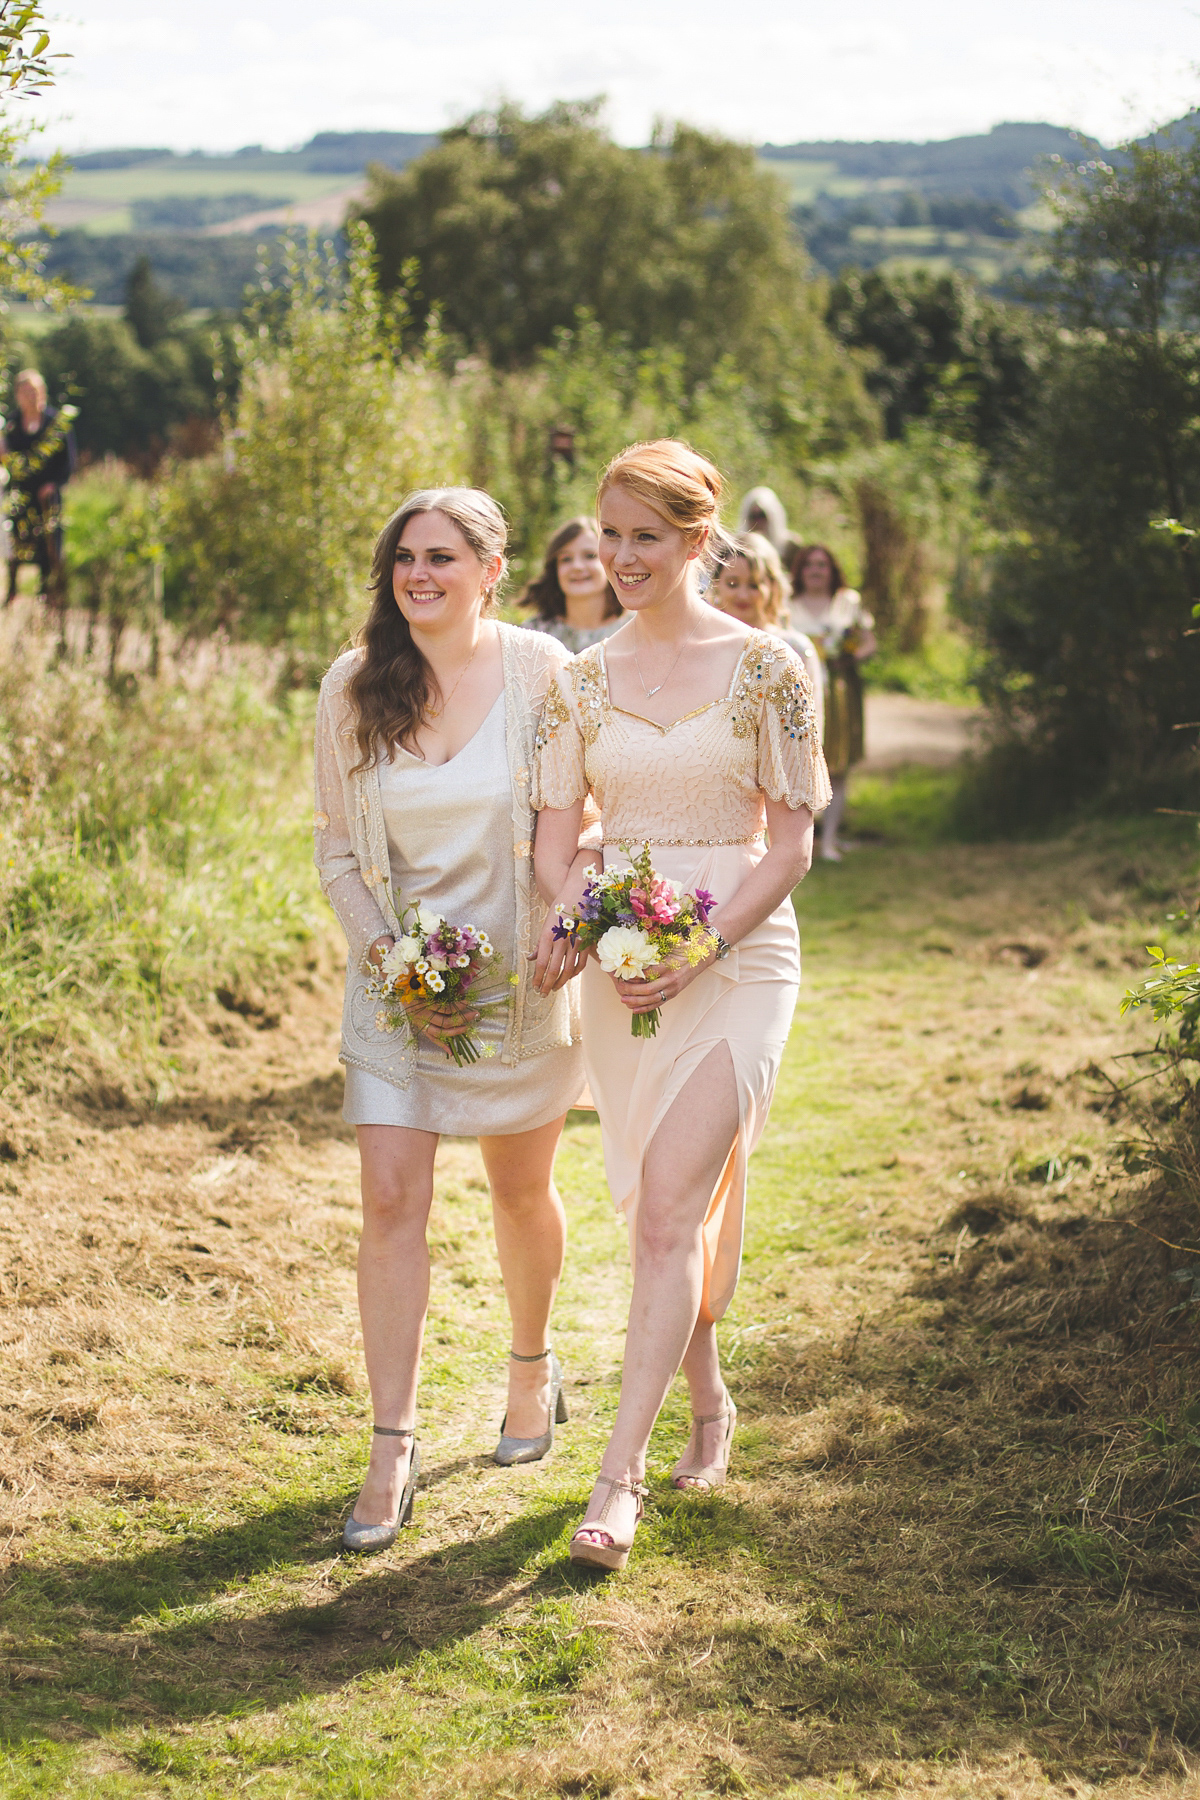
<point x="646" y="559"/>
<point x="737" y="591"/>
<point x="580" y="572"/>
<point x="438" y="580"/>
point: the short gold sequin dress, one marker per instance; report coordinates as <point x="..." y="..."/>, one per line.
<point x="694" y="791"/>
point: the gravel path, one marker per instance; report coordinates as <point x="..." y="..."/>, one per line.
<point x="903" y="730"/>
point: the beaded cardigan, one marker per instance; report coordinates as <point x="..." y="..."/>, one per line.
<point x="351" y="854"/>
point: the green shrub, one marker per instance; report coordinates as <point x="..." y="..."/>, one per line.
<point x="271" y="536"/>
<point x="153" y="846"/>
<point x="113" y="552"/>
<point x="133" y="402"/>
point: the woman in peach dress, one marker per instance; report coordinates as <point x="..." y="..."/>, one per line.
<point x="696" y="736"/>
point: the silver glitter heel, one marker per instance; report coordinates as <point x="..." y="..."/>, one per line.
<point x="370" y="1538"/>
<point x="512" y="1450"/>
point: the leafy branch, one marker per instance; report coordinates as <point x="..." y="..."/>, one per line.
<point x="1173" y="989"/>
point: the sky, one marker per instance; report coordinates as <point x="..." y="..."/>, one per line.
<point x="216" y="75"/>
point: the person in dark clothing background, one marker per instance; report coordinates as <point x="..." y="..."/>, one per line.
<point x="38" y="454"/>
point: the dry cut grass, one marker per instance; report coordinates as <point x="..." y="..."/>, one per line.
<point x="960" y="1554"/>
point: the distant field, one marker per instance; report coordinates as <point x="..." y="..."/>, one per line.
<point x="32" y="321"/>
<point x="200" y="218"/>
<point x="805" y="180"/>
<point x="102" y="200"/>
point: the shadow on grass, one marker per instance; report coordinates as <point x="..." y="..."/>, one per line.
<point x="986" y="1539"/>
<point x="159" y="1635"/>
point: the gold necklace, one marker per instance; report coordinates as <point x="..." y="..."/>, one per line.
<point x="449" y="697"/>
<point x="650" y="692"/>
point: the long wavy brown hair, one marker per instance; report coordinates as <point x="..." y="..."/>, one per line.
<point x="545" y="592"/>
<point x="393" y="686"/>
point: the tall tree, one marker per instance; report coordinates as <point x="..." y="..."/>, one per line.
<point x="1088" y="615"/>
<point x="516" y="225"/>
<point x="937" y="344"/>
<point x="150" y="309"/>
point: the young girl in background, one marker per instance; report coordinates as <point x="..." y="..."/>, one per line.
<point x="572" y="598"/>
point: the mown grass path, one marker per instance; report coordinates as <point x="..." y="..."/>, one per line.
<point x="955" y="1557"/>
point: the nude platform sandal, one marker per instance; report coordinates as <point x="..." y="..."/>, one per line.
<point x="614" y="1554"/>
<point x="711" y="1475"/>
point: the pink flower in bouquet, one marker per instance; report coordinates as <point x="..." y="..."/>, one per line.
<point x="659" y="902"/>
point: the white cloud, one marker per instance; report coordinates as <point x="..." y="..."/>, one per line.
<point x="275" y="71"/>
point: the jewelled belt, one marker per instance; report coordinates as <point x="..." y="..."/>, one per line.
<point x="631" y="838"/>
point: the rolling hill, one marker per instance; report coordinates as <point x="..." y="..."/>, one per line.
<point x="957" y="202"/>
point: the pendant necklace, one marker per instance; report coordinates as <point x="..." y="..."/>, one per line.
<point x="650" y="692"/>
<point x="449" y="697"/>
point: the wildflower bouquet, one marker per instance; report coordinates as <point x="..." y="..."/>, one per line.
<point x="836" y="641"/>
<point x="429" y="972"/>
<point x="634" y="919"/>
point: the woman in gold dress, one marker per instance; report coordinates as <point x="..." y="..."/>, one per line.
<point x="694" y="735"/>
<point x="834" y="617"/>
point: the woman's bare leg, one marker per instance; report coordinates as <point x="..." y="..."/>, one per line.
<point x="393" y="1297"/>
<point x="683" y="1165"/>
<point x="531" y="1232"/>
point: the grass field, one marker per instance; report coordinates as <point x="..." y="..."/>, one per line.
<point x="805" y="180"/>
<point x="959" y="1555"/>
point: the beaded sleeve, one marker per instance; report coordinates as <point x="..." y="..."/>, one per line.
<point x="559" y="776"/>
<point x="791" y="762"/>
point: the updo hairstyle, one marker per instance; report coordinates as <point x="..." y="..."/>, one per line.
<point x="682" y="487"/>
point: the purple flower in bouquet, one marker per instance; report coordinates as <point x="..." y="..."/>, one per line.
<point x="591" y="904"/>
<point x="704" y="904"/>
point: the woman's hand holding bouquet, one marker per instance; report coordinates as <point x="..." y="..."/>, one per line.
<point x="424" y="981"/>
<point x="637" y="921"/>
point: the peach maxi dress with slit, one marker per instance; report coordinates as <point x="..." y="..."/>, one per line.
<point x="693" y="790"/>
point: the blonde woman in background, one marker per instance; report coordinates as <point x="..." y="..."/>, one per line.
<point x="694" y="735"/>
<point x="751" y="586"/>
<point x="424" y="764"/>
<point x="573" y="597"/>
<point x="834" y="617"/>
